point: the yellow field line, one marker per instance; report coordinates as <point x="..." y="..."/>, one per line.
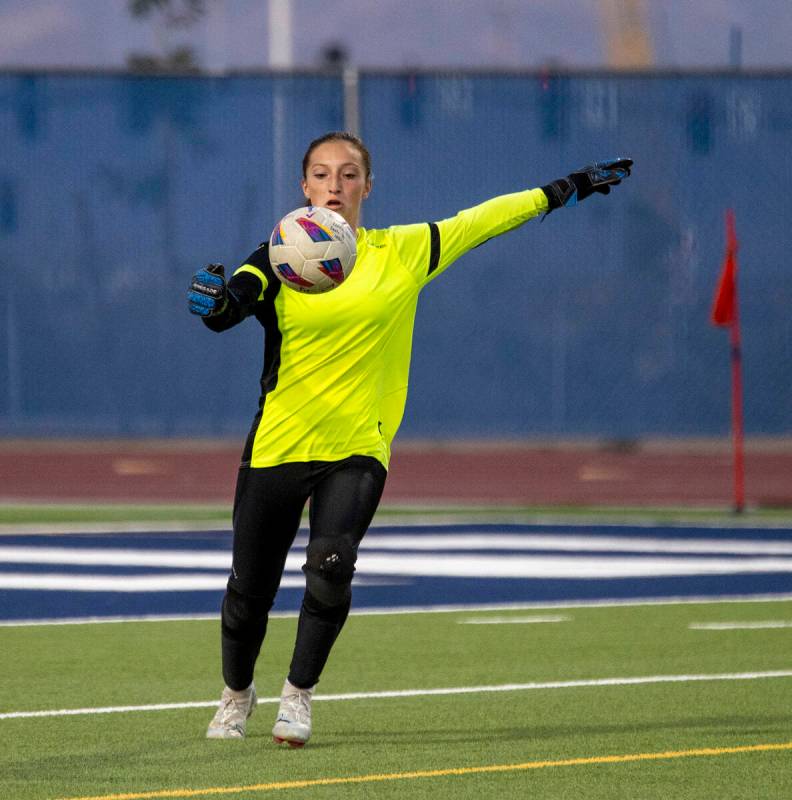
<point x="440" y="773"/>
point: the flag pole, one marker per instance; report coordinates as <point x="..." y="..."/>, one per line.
<point x="737" y="408"/>
<point x="726" y="313"/>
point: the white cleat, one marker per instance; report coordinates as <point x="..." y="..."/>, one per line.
<point x="293" y="724"/>
<point x="232" y="715"/>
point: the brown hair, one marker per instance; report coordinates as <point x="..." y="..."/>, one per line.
<point x="339" y="136"/>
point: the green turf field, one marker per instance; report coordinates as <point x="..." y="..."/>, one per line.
<point x="422" y="746"/>
<point x="37" y="514"/>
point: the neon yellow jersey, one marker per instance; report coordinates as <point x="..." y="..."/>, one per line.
<point x="337" y="364"/>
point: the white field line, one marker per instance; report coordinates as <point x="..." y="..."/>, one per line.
<point x="65" y="582"/>
<point x="403" y="567"/>
<point x="211" y="559"/>
<point x="562" y="566"/>
<point x="117" y="557"/>
<point x="37" y="623"/>
<point x="168" y="582"/>
<point x="514" y="620"/>
<point x="455" y="565"/>
<point x="571" y="542"/>
<point x="739" y="626"/>
<point x="408" y="693"/>
<point x="438" y="609"/>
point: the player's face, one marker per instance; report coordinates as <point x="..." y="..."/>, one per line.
<point x="336" y="179"/>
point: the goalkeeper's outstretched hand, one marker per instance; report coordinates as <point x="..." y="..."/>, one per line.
<point x="208" y="295"/>
<point x="580" y="184"/>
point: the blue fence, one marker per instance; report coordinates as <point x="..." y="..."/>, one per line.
<point x="595" y="322"/>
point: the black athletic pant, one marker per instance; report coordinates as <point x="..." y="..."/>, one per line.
<point x="267" y="509"/>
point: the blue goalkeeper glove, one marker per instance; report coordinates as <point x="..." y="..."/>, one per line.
<point x="578" y="185"/>
<point x="208" y="295"/>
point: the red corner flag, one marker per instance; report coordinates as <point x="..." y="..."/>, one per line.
<point x="725" y="312"/>
<point x="724" y="309"/>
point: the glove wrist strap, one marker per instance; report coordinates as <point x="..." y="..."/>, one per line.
<point x="558" y="192"/>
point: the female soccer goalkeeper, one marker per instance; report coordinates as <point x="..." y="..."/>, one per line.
<point x="333" y="390"/>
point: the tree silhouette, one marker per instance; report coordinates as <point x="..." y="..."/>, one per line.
<point x="174" y="15"/>
<point x="177" y="13"/>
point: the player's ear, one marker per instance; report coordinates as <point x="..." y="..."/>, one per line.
<point x="367" y="190"/>
<point x="304" y="187"/>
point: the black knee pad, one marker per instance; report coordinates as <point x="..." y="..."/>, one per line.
<point x="329" y="567"/>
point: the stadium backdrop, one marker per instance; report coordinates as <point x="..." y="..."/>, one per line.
<point x="113" y="188"/>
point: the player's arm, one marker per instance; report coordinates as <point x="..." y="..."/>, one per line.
<point x="223" y="304"/>
<point x="451" y="238"/>
<point x="427" y="249"/>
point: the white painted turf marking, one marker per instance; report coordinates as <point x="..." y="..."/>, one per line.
<point x="452" y="565"/>
<point x="68" y="582"/>
<point x="221" y="559"/>
<point x="739" y="626"/>
<point x="408" y="693"/>
<point x="405" y="566"/>
<point x="159" y="582"/>
<point x="513" y="620"/>
<point x="389" y="556"/>
<point x="118" y="557"/>
<point x="560" y="540"/>
<point x="35" y="623"/>
<point x="438" y="609"/>
<point x="562" y="566"/>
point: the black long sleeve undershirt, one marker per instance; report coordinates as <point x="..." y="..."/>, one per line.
<point x="244" y="291"/>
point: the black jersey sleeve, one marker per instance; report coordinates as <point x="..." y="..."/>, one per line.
<point x="245" y="291"/>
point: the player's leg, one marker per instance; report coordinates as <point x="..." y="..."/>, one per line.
<point x="343" y="503"/>
<point x="267" y="510"/>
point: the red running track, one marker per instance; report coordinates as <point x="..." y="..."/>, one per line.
<point x="648" y="474"/>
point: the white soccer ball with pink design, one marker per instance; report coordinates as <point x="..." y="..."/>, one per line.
<point x="312" y="249"/>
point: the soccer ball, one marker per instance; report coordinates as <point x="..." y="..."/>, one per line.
<point x="312" y="249"/>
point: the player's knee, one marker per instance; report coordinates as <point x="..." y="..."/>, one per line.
<point x="241" y="612"/>
<point x="329" y="567"/>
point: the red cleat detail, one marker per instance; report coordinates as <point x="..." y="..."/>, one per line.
<point x="295" y="745"/>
